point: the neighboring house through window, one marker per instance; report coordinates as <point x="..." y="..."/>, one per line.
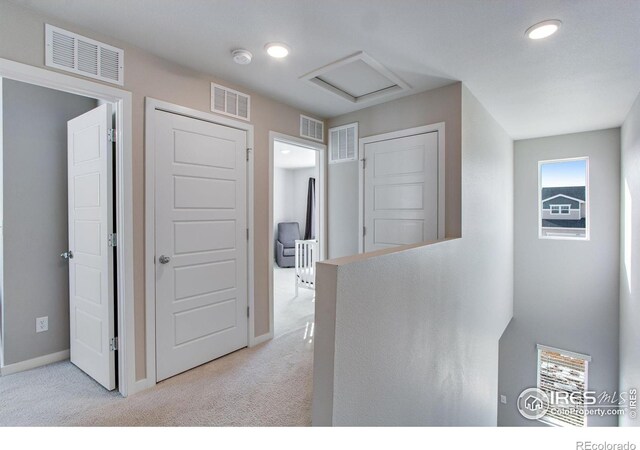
<point x="563" y="199"/>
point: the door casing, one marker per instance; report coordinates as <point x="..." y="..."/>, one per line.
<point x="440" y="128"/>
<point x="151" y="105"/>
<point x="322" y="208"/>
<point x="122" y="102"/>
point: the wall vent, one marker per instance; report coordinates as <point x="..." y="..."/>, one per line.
<point x="343" y="143"/>
<point x="77" y="54"/>
<point x="311" y="128"/>
<point x="229" y="102"/>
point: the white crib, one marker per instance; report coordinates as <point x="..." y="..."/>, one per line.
<point x="306" y="256"/>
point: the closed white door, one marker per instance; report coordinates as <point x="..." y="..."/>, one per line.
<point x="201" y="243"/>
<point x="91" y="282"/>
<point x="400" y="191"/>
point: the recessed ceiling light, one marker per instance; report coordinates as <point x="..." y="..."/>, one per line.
<point x="277" y="49"/>
<point x="285" y="151"/>
<point x="543" y="29"/>
<point x="242" y="56"/>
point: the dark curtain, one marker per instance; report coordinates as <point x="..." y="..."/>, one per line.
<point x="310" y="228"/>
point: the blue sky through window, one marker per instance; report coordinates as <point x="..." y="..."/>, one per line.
<point x="564" y="173"/>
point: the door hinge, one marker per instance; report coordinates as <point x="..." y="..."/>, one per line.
<point x="248" y="153"/>
<point x="113" y="344"/>
<point x="247" y="311"/>
<point x="113" y="240"/>
<point x="247" y="234"/>
<point x="364" y="163"/>
<point x="111" y="135"/>
<point x="364" y="231"/>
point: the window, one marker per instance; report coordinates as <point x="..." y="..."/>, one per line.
<point x="562" y="375"/>
<point x="563" y="199"/>
<point x="560" y="209"/>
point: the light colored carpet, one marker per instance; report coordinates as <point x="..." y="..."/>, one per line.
<point x="268" y="385"/>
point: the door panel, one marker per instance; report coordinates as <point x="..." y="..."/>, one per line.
<point x="401" y="191"/>
<point x="201" y="291"/>
<point x="91" y="279"/>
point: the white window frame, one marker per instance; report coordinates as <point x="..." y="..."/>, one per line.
<point x="586" y="358"/>
<point x="587" y="203"/>
<point x="560" y="208"/>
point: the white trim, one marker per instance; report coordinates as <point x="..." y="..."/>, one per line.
<point x="33" y="363"/>
<point x="587" y="217"/>
<point x="560" y="209"/>
<point x="322" y="204"/>
<point x="440" y="128"/>
<point x="151" y="105"/>
<point x="124" y="196"/>
<point x="399" y="86"/>
<point x="563" y="195"/>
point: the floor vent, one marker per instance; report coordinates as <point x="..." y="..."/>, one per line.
<point x="343" y="143"/>
<point x="77" y="54"/>
<point x="229" y="102"/>
<point x="311" y="128"/>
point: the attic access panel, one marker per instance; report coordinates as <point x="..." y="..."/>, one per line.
<point x="357" y="78"/>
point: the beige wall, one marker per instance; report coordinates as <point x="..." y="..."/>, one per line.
<point x="438" y="105"/>
<point x="22" y="40"/>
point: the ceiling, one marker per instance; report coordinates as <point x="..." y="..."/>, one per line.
<point x="286" y="156"/>
<point x="584" y="77"/>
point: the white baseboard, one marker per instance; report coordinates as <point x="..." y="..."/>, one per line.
<point x="260" y="339"/>
<point x="140" y="385"/>
<point x="33" y="363"/>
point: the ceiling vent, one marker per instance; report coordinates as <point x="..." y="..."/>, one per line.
<point x="229" y="102"/>
<point x="357" y="78"/>
<point x="77" y="54"/>
<point x="343" y="143"/>
<point x="311" y="128"/>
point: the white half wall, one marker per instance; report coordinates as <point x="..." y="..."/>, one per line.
<point x="409" y="336"/>
<point x="630" y="258"/>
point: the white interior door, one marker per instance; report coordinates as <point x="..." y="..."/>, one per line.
<point x="401" y="191"/>
<point x="91" y="282"/>
<point x="201" y="243"/>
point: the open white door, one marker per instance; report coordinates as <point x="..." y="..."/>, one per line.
<point x="401" y="191"/>
<point x="201" y="242"/>
<point x="90" y="255"/>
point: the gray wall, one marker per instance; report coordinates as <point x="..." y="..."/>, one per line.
<point x="36" y="279"/>
<point x="438" y="105"/>
<point x="566" y="292"/>
<point x="409" y="336"/>
<point x="630" y="258"/>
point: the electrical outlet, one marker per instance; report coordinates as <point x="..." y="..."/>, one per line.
<point x="42" y="324"/>
<point x="503" y="399"/>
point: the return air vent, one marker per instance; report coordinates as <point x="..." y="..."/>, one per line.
<point x="311" y="128"/>
<point x="229" y="102"/>
<point x="343" y="143"/>
<point x="77" y="54"/>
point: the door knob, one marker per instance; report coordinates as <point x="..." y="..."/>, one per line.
<point x="67" y="255"/>
<point x="164" y="259"/>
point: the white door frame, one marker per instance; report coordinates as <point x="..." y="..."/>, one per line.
<point x="124" y="197"/>
<point x="440" y="128"/>
<point x="151" y="105"/>
<point x="322" y="210"/>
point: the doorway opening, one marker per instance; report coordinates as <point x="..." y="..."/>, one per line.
<point x="65" y="268"/>
<point x="298" y="238"/>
